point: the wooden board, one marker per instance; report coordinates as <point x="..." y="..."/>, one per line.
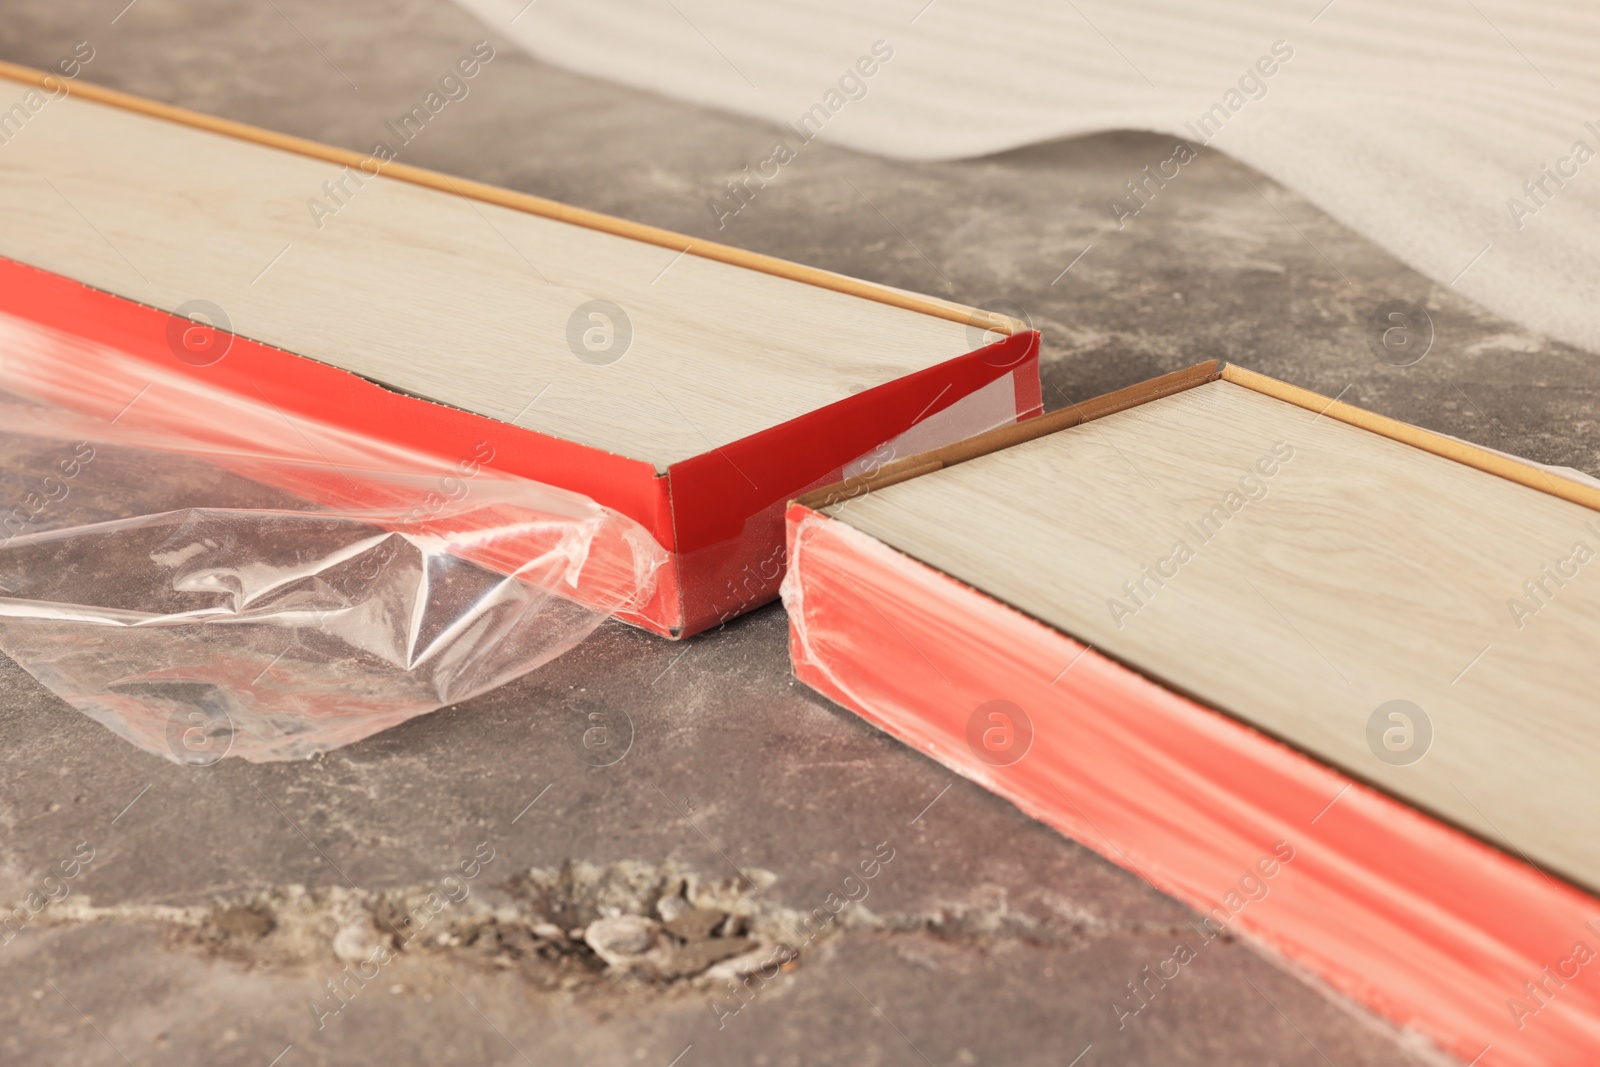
<point x="1450" y="939"/>
<point x="452" y="297"/>
<point x="1360" y="571"/>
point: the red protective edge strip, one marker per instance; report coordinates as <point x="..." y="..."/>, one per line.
<point x="729" y="503"/>
<point x="702" y="512"/>
<point x="1426" y="926"/>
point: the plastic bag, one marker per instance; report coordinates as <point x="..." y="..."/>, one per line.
<point x="207" y="576"/>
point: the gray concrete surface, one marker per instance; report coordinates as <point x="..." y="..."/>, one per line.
<point x="220" y="901"/>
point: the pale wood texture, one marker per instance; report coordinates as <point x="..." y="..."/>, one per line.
<point x="462" y="301"/>
<point x="1564" y="482"/>
<point x="1006" y="436"/>
<point x="1366" y="571"/>
<point x="537" y="205"/>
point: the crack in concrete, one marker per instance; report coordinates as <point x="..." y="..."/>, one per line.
<point x="634" y="923"/>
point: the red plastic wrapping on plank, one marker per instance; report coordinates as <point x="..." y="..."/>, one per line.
<point x="719" y="515"/>
<point x="1430" y="928"/>
<point x="208" y="576"/>
<point x="725" y="577"/>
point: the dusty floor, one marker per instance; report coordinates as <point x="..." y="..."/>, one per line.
<point x="219" y="904"/>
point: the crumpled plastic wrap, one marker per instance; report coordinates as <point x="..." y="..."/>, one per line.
<point x="208" y="576"/>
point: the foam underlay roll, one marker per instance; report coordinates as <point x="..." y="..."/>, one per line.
<point x="1456" y="135"/>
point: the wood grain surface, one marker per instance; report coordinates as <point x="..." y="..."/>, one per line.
<point x="1324" y="571"/>
<point x="446" y="296"/>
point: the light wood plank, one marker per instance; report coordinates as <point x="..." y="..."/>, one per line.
<point x="461" y="301"/>
<point x="1367" y="571"/>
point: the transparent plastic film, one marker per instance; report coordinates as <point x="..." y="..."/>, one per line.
<point x="209" y="575"/>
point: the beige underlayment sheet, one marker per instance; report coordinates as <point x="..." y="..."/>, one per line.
<point x="1456" y="134"/>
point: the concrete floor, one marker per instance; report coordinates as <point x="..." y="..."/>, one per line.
<point x="219" y="904"/>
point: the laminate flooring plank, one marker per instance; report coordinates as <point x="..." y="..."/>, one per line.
<point x="464" y="302"/>
<point x="1306" y="574"/>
